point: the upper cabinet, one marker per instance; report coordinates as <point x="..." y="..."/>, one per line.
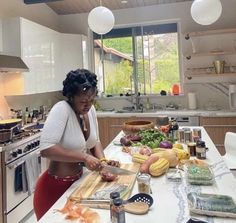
<point x="50" y="55"/>
<point x="203" y="48"/>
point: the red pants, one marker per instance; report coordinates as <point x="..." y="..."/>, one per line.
<point x="48" y="190"/>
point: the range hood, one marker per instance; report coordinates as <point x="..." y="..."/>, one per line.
<point x="12" y="64"/>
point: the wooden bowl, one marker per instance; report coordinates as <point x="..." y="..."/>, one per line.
<point x="132" y="127"/>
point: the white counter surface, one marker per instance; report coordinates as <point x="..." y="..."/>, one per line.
<point x="170" y="203"/>
<point x="219" y="113"/>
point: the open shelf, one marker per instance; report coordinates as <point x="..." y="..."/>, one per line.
<point x="210" y="32"/>
<point x="212" y="53"/>
<point x="190" y="76"/>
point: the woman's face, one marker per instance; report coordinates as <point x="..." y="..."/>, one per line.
<point x="83" y="102"/>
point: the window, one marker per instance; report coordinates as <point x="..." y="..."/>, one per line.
<point x="141" y="59"/>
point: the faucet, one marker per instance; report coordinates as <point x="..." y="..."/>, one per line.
<point x="136" y="101"/>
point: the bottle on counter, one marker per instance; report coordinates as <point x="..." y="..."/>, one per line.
<point x="201" y="150"/>
<point x="118" y="211"/>
<point x="113" y="196"/>
<point x="26" y="115"/>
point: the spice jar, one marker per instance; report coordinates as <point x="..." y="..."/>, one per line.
<point x="201" y="150"/>
<point x="113" y="196"/>
<point x="180" y="136"/>
<point x="192" y="148"/>
<point x="118" y="211"/>
<point x="144" y="183"/>
<point x="187" y="136"/>
<point x="197" y="133"/>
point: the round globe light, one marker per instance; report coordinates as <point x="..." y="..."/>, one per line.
<point x="206" y="12"/>
<point x="101" y="20"/>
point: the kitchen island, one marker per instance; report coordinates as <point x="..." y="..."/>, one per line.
<point x="170" y="198"/>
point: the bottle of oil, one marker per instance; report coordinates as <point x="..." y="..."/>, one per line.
<point x="118" y="211"/>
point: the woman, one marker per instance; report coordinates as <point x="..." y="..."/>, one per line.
<point x="70" y="135"/>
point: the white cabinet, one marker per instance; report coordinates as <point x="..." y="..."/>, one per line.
<point x="203" y="48"/>
<point x="50" y="55"/>
<point x="74" y="52"/>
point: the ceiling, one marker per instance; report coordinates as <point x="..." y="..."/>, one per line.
<point x="65" y="7"/>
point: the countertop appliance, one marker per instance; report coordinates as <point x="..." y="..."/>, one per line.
<point x="21" y="166"/>
<point x="186" y="120"/>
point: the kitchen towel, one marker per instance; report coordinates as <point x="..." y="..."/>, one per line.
<point x="32" y="167"/>
<point x="192" y="100"/>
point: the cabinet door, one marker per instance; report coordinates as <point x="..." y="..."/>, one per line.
<point x="217" y="127"/>
<point x="40" y="52"/>
<point x="103" y="127"/>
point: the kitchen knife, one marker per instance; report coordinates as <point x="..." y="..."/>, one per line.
<point x="113" y="169"/>
<point x="117" y="170"/>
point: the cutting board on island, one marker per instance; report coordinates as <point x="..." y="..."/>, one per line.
<point x="93" y="182"/>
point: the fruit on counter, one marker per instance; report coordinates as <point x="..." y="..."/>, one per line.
<point x="159" y="167"/>
<point x="165" y="128"/>
<point x="181" y="153"/>
<point x="127" y="140"/>
<point x="170" y="155"/>
<point x="165" y="144"/>
<point x="138" y="158"/>
<point x="144" y="168"/>
<point x="145" y="150"/>
<point x="106" y="176"/>
<point x="178" y="145"/>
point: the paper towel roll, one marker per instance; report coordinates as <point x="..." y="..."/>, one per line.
<point x="192" y="101"/>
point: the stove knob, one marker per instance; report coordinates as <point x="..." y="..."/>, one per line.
<point x="14" y="154"/>
<point x="19" y="151"/>
<point x="37" y="142"/>
<point x="26" y="148"/>
<point x="32" y="145"/>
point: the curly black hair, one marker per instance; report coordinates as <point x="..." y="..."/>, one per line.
<point x="78" y="81"/>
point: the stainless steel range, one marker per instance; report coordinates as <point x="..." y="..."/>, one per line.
<point x="20" y="168"/>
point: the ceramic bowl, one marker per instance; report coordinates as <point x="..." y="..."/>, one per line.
<point x="132" y="127"/>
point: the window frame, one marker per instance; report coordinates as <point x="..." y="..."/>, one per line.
<point x="131" y="25"/>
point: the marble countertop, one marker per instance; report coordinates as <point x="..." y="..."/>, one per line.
<point x="170" y="201"/>
<point x="184" y="112"/>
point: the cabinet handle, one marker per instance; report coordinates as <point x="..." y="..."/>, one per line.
<point x="219" y="126"/>
<point x="116" y="126"/>
<point x="219" y="144"/>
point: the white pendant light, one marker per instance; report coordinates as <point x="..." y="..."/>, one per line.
<point x="206" y="12"/>
<point x="101" y="20"/>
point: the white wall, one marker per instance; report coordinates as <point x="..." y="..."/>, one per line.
<point x="39" y="13"/>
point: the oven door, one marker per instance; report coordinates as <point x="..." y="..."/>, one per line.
<point x="16" y="181"/>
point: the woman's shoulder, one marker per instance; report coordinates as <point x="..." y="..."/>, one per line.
<point x="61" y="106"/>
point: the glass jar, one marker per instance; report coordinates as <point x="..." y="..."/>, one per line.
<point x="118" y="211"/>
<point x="144" y="183"/>
<point x="201" y="150"/>
<point x="192" y="148"/>
<point x="113" y="196"/>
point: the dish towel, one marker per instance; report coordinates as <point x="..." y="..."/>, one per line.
<point x="18" y="184"/>
<point x="32" y="169"/>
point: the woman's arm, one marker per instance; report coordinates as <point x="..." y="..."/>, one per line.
<point x="97" y="151"/>
<point x="58" y="153"/>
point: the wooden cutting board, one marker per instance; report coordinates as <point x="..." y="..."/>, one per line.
<point x="93" y="182"/>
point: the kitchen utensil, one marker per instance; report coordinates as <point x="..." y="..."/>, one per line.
<point x="9" y="123"/>
<point x="192" y="101"/>
<point x="141" y="197"/>
<point x="93" y="183"/>
<point x="117" y="170"/>
<point x="132" y="207"/>
<point x="114" y="170"/>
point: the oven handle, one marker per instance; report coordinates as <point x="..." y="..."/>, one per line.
<point x="20" y="161"/>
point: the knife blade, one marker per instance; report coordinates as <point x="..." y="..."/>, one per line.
<point x="117" y="170"/>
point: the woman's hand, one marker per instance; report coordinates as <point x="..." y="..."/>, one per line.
<point x="92" y="163"/>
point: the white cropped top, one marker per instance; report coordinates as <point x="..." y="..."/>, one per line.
<point x="62" y="127"/>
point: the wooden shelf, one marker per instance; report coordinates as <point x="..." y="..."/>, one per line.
<point x="216" y="53"/>
<point x="190" y="76"/>
<point x="209" y="32"/>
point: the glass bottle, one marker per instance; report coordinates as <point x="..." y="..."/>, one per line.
<point x="113" y="196"/>
<point x="144" y="183"/>
<point x="118" y="211"/>
<point x="201" y="150"/>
